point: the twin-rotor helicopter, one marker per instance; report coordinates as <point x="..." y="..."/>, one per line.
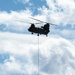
<point x="40" y="30"/>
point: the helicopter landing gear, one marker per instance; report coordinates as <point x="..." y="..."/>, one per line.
<point x="46" y="35"/>
<point x="32" y="33"/>
<point x="37" y="34"/>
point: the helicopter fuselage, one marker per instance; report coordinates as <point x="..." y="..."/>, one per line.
<point x="38" y="30"/>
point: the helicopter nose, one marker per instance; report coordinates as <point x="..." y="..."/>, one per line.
<point x="28" y="29"/>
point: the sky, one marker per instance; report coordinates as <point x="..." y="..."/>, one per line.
<point x="19" y="48"/>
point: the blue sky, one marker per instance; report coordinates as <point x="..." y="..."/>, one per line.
<point x="10" y="5"/>
<point x="17" y="5"/>
<point x="19" y="49"/>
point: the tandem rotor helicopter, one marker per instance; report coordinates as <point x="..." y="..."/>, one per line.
<point x="39" y="30"/>
<point x="42" y="30"/>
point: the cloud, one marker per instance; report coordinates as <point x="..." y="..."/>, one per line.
<point x="60" y="13"/>
<point x="19" y="52"/>
<point x="57" y="11"/>
<point x="57" y="55"/>
<point x="14" y="16"/>
<point x="15" y="21"/>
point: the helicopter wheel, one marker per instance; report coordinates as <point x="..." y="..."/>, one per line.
<point x="32" y="33"/>
<point x="46" y="35"/>
<point x="37" y="34"/>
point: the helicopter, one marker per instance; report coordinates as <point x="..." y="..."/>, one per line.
<point x="42" y="30"/>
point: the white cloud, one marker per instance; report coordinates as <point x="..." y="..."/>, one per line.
<point x="13" y="17"/>
<point x="60" y="11"/>
<point x="68" y="33"/>
<point x="15" y="21"/>
<point x="57" y="13"/>
<point x="57" y="55"/>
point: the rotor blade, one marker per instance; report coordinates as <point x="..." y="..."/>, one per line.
<point x="20" y="21"/>
<point x="52" y="24"/>
<point x="42" y="21"/>
<point x="27" y="22"/>
<point x="37" y="20"/>
<point x="37" y="23"/>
